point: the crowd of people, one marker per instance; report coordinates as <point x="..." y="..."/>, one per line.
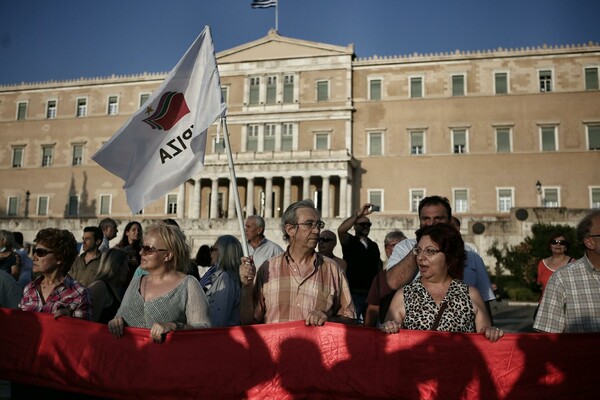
<point x="150" y="280"/>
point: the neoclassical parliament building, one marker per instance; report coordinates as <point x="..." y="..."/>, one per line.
<point x="492" y="130"/>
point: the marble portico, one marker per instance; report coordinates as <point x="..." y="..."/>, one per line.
<point x="324" y="176"/>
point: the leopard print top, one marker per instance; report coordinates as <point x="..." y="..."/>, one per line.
<point x="421" y="309"/>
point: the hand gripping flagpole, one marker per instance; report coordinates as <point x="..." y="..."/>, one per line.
<point x="236" y="195"/>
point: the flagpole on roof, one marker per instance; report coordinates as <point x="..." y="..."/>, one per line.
<point x="236" y="194"/>
<point x="277" y="16"/>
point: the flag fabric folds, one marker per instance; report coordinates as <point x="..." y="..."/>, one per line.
<point x="264" y="3"/>
<point x="163" y="143"/>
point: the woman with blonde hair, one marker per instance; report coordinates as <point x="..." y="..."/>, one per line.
<point x="107" y="287"/>
<point x="166" y="299"/>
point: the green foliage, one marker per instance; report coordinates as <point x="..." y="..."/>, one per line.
<point x="522" y="260"/>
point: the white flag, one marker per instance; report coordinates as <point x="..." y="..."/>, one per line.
<point x="163" y="144"/>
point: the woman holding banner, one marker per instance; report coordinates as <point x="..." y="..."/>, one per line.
<point x="438" y="299"/>
<point x="166" y="299"/>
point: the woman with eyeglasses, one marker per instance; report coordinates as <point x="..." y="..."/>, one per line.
<point x="438" y="299"/>
<point x="224" y="289"/>
<point x="558" y="246"/>
<point x="54" y="291"/>
<point x="166" y="299"/>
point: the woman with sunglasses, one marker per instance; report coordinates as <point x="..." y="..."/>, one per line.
<point x="558" y="246"/>
<point x="166" y="299"/>
<point x="437" y="299"/>
<point x="223" y="292"/>
<point x="54" y="290"/>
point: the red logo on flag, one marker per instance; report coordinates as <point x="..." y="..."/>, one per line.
<point x="171" y="108"/>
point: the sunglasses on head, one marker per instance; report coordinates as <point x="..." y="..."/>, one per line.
<point x="559" y="242"/>
<point x="38" y="251"/>
<point x="325" y="240"/>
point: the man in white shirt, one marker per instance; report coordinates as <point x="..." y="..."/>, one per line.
<point x="261" y="248"/>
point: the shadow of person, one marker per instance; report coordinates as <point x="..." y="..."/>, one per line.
<point x="556" y="366"/>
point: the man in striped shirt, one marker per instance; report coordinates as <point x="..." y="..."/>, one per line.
<point x="299" y="284"/>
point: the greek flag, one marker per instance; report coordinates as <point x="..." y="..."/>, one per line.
<point x="264" y="3"/>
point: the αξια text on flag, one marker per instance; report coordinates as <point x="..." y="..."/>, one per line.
<point x="163" y="144"/>
<point x="264" y="3"/>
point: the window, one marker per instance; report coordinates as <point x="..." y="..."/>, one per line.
<point x="416" y="142"/>
<point x="551" y="197"/>
<point x="548" y="138"/>
<point x="375" y="144"/>
<point x="416" y="195"/>
<point x="172" y="204"/>
<point x="593" y="137"/>
<point x="322" y="90"/>
<point x="501" y="83"/>
<point x="77" y="154"/>
<point x="105" y="204"/>
<point x="591" y="78"/>
<point x="144" y="98"/>
<point x="375" y="196"/>
<point x="595" y="197"/>
<point x="322" y="141"/>
<point x="287" y="137"/>
<point x="21" y="111"/>
<point x="458" y="85"/>
<point x="459" y="141"/>
<point x="461" y="200"/>
<point x="416" y="87"/>
<point x="503" y="140"/>
<point x="73" y="209"/>
<point x="42" y="205"/>
<point x="288" y="89"/>
<point x="252" y="138"/>
<point x="225" y="94"/>
<point x="271" y="89"/>
<point x="47" y="155"/>
<point x="374" y="89"/>
<point x="218" y="147"/>
<point x="113" y="105"/>
<point x="17" y="159"/>
<point x="13" y="206"/>
<point x="269" y="139"/>
<point x="81" y="107"/>
<point x="505" y="200"/>
<point x="51" y="109"/>
<point x="254" y="91"/>
<point x="545" y="78"/>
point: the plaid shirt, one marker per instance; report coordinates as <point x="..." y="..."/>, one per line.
<point x="281" y="294"/>
<point x="69" y="294"/>
<point x="571" y="300"/>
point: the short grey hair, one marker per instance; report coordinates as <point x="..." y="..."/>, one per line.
<point x="290" y="217"/>
<point x="260" y="221"/>
<point x="583" y="228"/>
<point x="394" y="236"/>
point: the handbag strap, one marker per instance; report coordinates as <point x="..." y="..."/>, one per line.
<point x="438" y="317"/>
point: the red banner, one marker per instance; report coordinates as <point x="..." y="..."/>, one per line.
<point x="291" y="360"/>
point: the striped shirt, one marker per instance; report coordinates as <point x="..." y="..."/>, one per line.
<point x="281" y="294"/>
<point x="571" y="300"/>
<point x="70" y="294"/>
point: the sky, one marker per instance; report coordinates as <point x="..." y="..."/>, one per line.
<point x="42" y="40"/>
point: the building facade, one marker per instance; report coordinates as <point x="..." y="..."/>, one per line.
<point x="490" y="130"/>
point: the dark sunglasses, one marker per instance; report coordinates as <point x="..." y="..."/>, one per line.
<point x="559" y="242"/>
<point x="365" y="224"/>
<point x="151" y="250"/>
<point x="41" y="252"/>
<point x="325" y="240"/>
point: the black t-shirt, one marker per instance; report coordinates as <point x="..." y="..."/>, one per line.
<point x="363" y="263"/>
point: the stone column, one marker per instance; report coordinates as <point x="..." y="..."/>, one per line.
<point x="250" y="197"/>
<point x="181" y="201"/>
<point x="287" y="191"/>
<point x="269" y="197"/>
<point x="343" y="196"/>
<point x="196" y="200"/>
<point x="214" y="198"/>
<point x="305" y="187"/>
<point x="325" y="202"/>
<point x="231" y="201"/>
